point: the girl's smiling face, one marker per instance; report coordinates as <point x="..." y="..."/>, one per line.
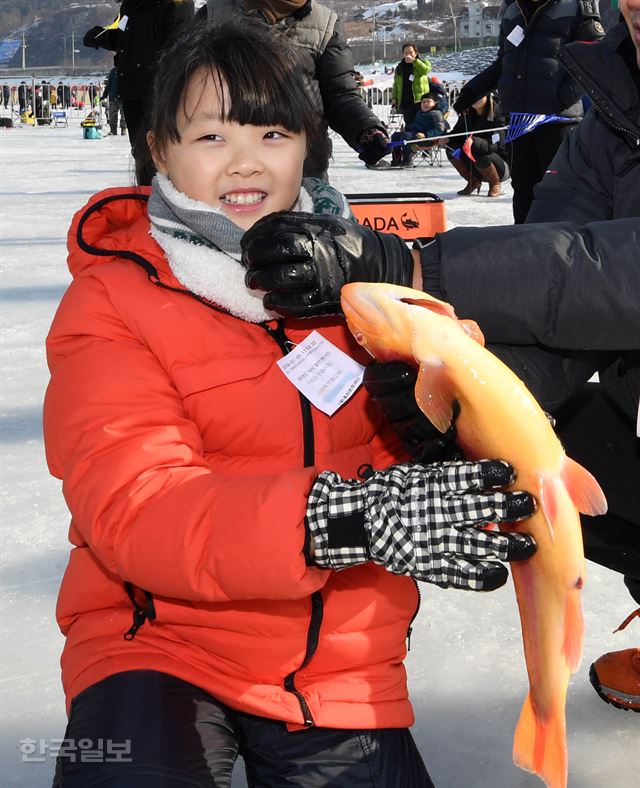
<point x="246" y="171"/>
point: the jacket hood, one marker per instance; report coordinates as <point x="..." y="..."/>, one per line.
<point x="114" y="225"/>
<point x="601" y="70"/>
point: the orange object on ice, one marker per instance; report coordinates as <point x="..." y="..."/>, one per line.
<point x="411" y="215"/>
<point x="500" y="419"/>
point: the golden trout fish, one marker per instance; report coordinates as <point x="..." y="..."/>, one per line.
<point x="500" y="419"/>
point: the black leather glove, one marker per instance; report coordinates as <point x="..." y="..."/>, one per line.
<point x="90" y="38"/>
<point x="464" y="101"/>
<point x="373" y="144"/>
<point x="422" y="520"/>
<point x="391" y="385"/>
<point x="302" y="261"/>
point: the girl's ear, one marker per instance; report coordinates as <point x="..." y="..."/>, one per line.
<point x="157" y="157"/>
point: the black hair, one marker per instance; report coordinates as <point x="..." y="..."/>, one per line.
<point x="433" y="96"/>
<point x="257" y="66"/>
<point x="409" y="44"/>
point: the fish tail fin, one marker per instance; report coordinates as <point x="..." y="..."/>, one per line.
<point x="584" y="490"/>
<point x="539" y="744"/>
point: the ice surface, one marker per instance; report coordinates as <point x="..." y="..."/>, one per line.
<point x="466" y="670"/>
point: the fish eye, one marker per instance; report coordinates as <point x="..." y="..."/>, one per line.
<point x="359" y="337"/>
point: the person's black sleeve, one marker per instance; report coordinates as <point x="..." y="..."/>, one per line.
<point x="559" y="284"/>
<point x="346" y="111"/>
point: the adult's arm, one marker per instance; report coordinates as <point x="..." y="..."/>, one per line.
<point x="346" y="111"/>
<point x="560" y="284"/>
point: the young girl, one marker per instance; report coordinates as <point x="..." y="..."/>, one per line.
<point x="202" y="615"/>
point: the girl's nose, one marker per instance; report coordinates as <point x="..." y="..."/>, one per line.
<point x="245" y="161"/>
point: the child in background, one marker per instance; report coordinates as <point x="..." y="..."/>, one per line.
<point x="203" y="613"/>
<point x="428" y="122"/>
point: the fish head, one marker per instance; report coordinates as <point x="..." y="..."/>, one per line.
<point x="382" y="318"/>
<point x="378" y="319"/>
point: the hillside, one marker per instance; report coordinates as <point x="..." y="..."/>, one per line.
<point x="50" y="26"/>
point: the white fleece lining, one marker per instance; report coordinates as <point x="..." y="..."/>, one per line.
<point x="214" y="275"/>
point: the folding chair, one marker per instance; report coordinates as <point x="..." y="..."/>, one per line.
<point x="59" y="117"/>
<point x="432" y="155"/>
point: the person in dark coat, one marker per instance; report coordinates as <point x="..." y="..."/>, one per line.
<point x="114" y="108"/>
<point x="22" y="97"/>
<point x="329" y="74"/>
<point x="6" y="95"/>
<point x="558" y="299"/>
<point x="145" y="28"/>
<point x="486" y="158"/>
<point x="530" y="78"/>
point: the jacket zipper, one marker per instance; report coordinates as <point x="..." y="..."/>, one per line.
<point x="142" y="611"/>
<point x="415" y="614"/>
<point x="596" y="97"/>
<point x="317" y="604"/>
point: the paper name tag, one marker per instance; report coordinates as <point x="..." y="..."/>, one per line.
<point x="495" y="138"/>
<point x="411" y="77"/>
<point x="122" y="24"/>
<point x="516" y="36"/>
<point x="322" y="372"/>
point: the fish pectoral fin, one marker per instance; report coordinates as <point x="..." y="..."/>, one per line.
<point x="435" y="395"/>
<point x="583" y="489"/>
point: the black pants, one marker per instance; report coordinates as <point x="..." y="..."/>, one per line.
<point x="174" y="735"/>
<point x="598" y="435"/>
<point x="531" y="155"/>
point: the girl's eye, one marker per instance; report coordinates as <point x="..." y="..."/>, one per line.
<point x="276" y="135"/>
<point x="211" y="137"/>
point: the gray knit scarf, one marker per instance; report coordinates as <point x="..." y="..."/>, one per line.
<point x="175" y="214"/>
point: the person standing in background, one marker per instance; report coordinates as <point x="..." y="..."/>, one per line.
<point x="114" y="107"/>
<point x="530" y="78"/>
<point x="410" y="82"/>
<point x="328" y="72"/>
<point x="142" y="30"/>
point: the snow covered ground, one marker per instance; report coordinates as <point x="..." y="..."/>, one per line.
<point x="465" y="667"/>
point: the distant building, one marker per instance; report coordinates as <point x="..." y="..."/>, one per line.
<point x="482" y="21"/>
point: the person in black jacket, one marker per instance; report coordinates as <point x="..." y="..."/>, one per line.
<point x="143" y="29"/>
<point x="558" y="299"/>
<point x="530" y="78"/>
<point x="329" y="74"/>
<point x="488" y="159"/>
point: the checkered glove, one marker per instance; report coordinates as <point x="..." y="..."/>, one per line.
<point x="421" y="520"/>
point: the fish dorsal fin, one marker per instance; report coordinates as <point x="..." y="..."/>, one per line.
<point x="470" y="327"/>
<point x="435" y="395"/>
<point x="583" y="489"/>
<point x="433" y="305"/>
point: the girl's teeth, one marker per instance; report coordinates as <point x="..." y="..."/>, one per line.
<point x="244" y="198"/>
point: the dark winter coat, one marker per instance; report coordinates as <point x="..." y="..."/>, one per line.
<point x="111" y="90"/>
<point x="529" y="76"/>
<point x="152" y="25"/>
<point x="329" y="73"/>
<point x="491" y="118"/>
<point x="431" y="124"/>
<point x="567" y="283"/>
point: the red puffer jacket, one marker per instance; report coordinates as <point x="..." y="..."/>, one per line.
<point x="182" y="448"/>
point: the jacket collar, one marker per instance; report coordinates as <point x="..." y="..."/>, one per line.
<point x="601" y="70"/>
